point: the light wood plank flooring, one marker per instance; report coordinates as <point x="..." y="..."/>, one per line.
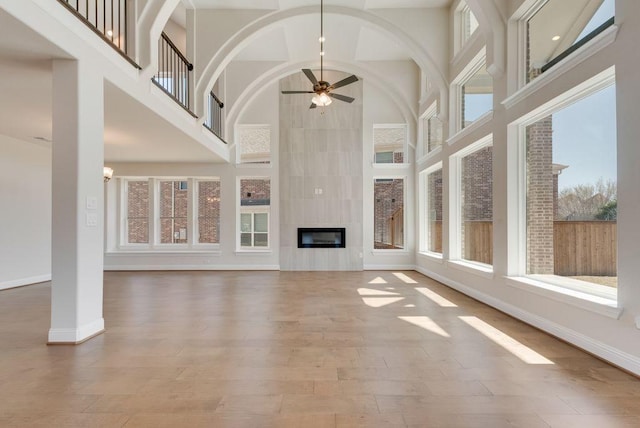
<point x="285" y="349"/>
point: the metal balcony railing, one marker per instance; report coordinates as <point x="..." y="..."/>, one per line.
<point x="109" y="19"/>
<point x="215" y="117"/>
<point x="174" y="72"/>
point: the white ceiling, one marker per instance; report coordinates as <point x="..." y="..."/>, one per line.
<point x="287" y="4"/>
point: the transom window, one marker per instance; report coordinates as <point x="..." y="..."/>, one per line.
<point x="558" y="27"/>
<point x="254" y="144"/>
<point x="476" y="96"/>
<point x="389" y="143"/>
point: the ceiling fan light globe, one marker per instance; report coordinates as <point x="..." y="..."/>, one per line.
<point x="321" y="100"/>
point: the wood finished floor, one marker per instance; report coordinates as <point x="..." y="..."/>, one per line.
<point x="284" y="349"/>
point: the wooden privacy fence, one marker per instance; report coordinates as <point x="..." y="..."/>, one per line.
<point x="586" y="248"/>
<point x="580" y="248"/>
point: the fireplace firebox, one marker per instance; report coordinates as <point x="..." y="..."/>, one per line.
<point x="321" y="237"/>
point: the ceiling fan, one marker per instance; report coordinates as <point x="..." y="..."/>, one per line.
<point x="321" y="88"/>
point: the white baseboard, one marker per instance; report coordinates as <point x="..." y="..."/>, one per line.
<point x="389" y="267"/>
<point x="189" y="267"/>
<point x="608" y="353"/>
<point x="76" y="335"/>
<point x="24" y="281"/>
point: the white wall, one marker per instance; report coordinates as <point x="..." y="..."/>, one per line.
<point x="25" y="217"/>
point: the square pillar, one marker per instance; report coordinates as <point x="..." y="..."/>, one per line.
<point x="78" y="202"/>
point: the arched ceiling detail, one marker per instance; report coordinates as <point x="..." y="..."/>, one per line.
<point x="278" y="72"/>
<point x="260" y="26"/>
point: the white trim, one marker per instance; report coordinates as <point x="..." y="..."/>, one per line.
<point x="76" y="335"/>
<point x="475" y="268"/>
<point x="168" y="251"/>
<point x="597" y="304"/>
<point x="472" y="127"/>
<point x="389" y="267"/>
<point x="389" y="251"/>
<point x="24" y="281"/>
<point x="253" y="252"/>
<point x="203" y="267"/>
<point x="608" y="353"/>
<point x="434" y="257"/>
<point x="589" y="49"/>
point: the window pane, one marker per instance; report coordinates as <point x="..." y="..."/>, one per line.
<point x="254" y="144"/>
<point x="255" y="192"/>
<point x="261" y="222"/>
<point x="477" y="96"/>
<point x="388" y="213"/>
<point x="388" y="144"/>
<point x="477" y="206"/>
<point x="559" y="25"/>
<point x="246" y="222"/>
<point x="138" y="212"/>
<point x="245" y="239"/>
<point x="208" y="212"/>
<point x="261" y="240"/>
<point x="173" y="201"/>
<point x="572" y="193"/>
<point x="434" y="133"/>
<point x="434" y="212"/>
<point x="470" y="23"/>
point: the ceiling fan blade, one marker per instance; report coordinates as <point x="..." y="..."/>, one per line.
<point x="310" y="75"/>
<point x="344" y="82"/>
<point x="342" y="98"/>
<point x="298" y="92"/>
<point x="312" y="106"/>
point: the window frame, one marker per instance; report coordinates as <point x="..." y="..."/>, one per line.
<point x="456" y="103"/>
<point x="405" y="248"/>
<point x="405" y="143"/>
<point x="252" y="209"/>
<point x="424" y="208"/>
<point x="455" y="209"/>
<point x="154" y="244"/>
<point x="238" y="146"/>
<point x="517" y="189"/>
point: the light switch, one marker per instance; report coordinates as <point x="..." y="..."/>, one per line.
<point x="92" y="203"/>
<point x="92" y="219"/>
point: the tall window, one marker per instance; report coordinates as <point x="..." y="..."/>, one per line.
<point x="433" y="212"/>
<point x="559" y="27"/>
<point x="472" y="203"/>
<point x="173" y="201"/>
<point x="388" y="219"/>
<point x="476" y="96"/>
<point x="255" y="202"/>
<point x="389" y="143"/>
<point x="137" y="211"/>
<point x="254" y="143"/>
<point x="465" y="25"/>
<point x="208" y="212"/>
<point x="571" y="195"/>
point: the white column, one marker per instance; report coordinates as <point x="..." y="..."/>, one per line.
<point x="78" y="202"/>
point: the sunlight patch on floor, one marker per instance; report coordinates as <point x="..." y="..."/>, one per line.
<point x="374" y="292"/>
<point x="427" y="324"/>
<point x="378" y="280"/>
<point x="521" y="351"/>
<point x="404" y="278"/>
<point x="436" y="298"/>
<point x="378" y="302"/>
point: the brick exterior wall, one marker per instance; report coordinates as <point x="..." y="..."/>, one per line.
<point x="541" y="196"/>
<point x="477" y="202"/>
<point x="209" y="212"/>
<point x="434" y="215"/>
<point x="388" y="201"/>
<point x="255" y="190"/>
<point x="173" y="203"/>
<point x="138" y="212"/>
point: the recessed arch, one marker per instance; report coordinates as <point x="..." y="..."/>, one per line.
<point x="250" y="32"/>
<point x="278" y="72"/>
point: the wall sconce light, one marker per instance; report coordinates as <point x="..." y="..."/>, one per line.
<point x="108" y="173"/>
